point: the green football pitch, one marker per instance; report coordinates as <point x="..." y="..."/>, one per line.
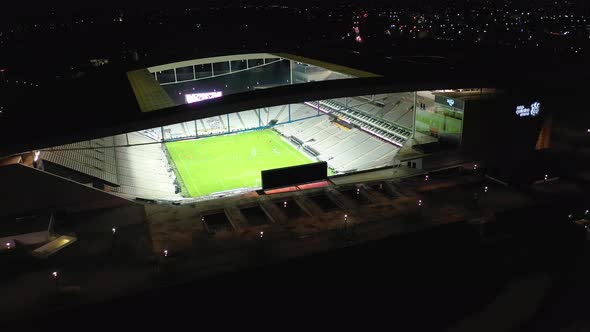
<point x="447" y="124"/>
<point x="221" y="163"/>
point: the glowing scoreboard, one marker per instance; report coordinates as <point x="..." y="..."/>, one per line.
<point x="197" y="97"/>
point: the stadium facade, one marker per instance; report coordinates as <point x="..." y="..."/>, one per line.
<point x="207" y="128"/>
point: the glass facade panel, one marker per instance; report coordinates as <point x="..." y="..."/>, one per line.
<point x="204" y="70"/>
<point x="184" y="73"/>
<point x="255" y="62"/>
<point x="239" y="65"/>
<point x="165" y="76"/>
<point x="221" y="68"/>
<point x="268" y="76"/>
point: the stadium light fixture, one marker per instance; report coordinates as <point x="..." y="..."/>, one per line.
<point x="426" y="178"/>
<point x="419" y="202"/>
<point x="54" y="274"/>
<point x="261" y="234"/>
<point x="7" y="245"/>
<point x="485" y="189"/>
<point x="475" y="166"/>
<point x="285" y="204"/>
<point x="165" y="252"/>
<point x="114" y="230"/>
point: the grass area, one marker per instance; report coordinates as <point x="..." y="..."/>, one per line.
<point x="426" y="120"/>
<point x="221" y="163"/>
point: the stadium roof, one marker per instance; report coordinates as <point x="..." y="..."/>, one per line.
<point x="101" y="101"/>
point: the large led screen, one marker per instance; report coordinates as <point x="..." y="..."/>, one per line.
<point x="197" y="97"/>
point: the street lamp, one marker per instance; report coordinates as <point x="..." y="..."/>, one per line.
<point x="346" y="223"/>
<point x="56" y="279"/>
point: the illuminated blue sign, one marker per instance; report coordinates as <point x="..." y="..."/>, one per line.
<point x="534" y="110"/>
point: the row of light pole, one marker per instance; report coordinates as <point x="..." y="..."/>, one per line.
<point x="55" y="274"/>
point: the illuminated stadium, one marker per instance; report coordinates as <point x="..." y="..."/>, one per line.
<point x="214" y="159"/>
<point x="226" y="153"/>
<point x="210" y="127"/>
